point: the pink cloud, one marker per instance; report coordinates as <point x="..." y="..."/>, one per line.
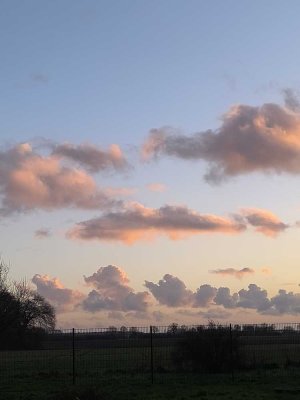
<point x="42" y="233"/>
<point x="52" y="289"/>
<point x="112" y="292"/>
<point x="249" y="139"/>
<point x="137" y="222"/>
<point x="92" y="157"/>
<point x="31" y="181"/>
<point x="236" y="273"/>
<point x="156" y="187"/>
<point x="264" y="221"/>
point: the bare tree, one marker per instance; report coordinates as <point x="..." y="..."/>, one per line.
<point x="23" y="311"/>
<point x="34" y="310"/>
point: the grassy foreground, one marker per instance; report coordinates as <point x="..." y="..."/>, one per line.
<point x="265" y="387"/>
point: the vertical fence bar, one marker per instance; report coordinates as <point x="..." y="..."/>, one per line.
<point x="231" y="353"/>
<point x="73" y="357"/>
<point x="151" y="353"/>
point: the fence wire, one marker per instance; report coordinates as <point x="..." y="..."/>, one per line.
<point x="153" y="353"/>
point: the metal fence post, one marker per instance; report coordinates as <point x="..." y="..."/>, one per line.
<point x="73" y="357"/>
<point x="151" y="353"/>
<point x="231" y="353"/>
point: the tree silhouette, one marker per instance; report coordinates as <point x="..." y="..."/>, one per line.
<point x="23" y="312"/>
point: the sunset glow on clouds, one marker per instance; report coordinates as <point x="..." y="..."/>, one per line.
<point x="265" y="139"/>
<point x="123" y="145"/>
<point x="111" y="293"/>
<point x="30" y="181"/>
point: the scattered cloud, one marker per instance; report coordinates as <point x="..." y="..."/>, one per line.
<point x="112" y="292"/>
<point x="225" y="299"/>
<point x="250" y="139"/>
<point x="31" y="181"/>
<point x="264" y="221"/>
<point x="53" y="290"/>
<point x="159" y="316"/>
<point x="214" y="314"/>
<point x="204" y="296"/>
<point x="156" y="187"/>
<point x="93" y="158"/>
<point x="284" y="303"/>
<point x="236" y="273"/>
<point x="266" y="271"/>
<point x="137" y="222"/>
<point x="39" y="78"/>
<point x="117" y="315"/>
<point x="170" y="291"/>
<point x="291" y="99"/>
<point x="42" y="233"/>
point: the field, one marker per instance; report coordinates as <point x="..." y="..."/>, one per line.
<point x="105" y="367"/>
<point x="269" y="386"/>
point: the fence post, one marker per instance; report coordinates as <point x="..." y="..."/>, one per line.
<point x="231" y="353"/>
<point x="73" y="357"/>
<point x="151" y="353"/>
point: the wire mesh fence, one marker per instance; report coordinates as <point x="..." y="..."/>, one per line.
<point x="155" y="353"/>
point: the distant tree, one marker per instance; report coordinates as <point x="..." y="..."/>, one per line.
<point x="155" y="329"/>
<point x="173" y="328"/>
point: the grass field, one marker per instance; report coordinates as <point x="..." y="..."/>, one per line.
<point x="122" y="372"/>
<point x="268" y="387"/>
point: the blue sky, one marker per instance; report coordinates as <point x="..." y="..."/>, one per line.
<point x="107" y="72"/>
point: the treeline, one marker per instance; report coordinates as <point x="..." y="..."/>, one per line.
<point x="25" y="316"/>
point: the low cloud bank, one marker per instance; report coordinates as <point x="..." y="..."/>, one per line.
<point x="171" y="291"/>
<point x="112" y="292"/>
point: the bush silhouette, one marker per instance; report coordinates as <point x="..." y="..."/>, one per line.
<point x="210" y="349"/>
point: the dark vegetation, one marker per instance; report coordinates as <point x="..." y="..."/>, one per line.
<point x="25" y="316"/>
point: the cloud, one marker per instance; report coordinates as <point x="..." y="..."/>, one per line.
<point x="264" y="221"/>
<point x="284" y="303"/>
<point x="266" y="271"/>
<point x="237" y="273"/>
<point x="92" y="157"/>
<point x="39" y="78"/>
<point x="52" y="289"/>
<point x="254" y="297"/>
<point x="42" y="233"/>
<point x="137" y="222"/>
<point x="204" y="296"/>
<point x="112" y="292"/>
<point x="156" y="187"/>
<point x="117" y="315"/>
<point x="170" y="291"/>
<point x="224" y="298"/>
<point x="31" y="181"/>
<point x="215" y="314"/>
<point x="159" y="316"/>
<point x="249" y="139"/>
<point x="291" y="99"/>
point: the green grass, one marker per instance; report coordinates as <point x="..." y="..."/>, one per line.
<point x="182" y="388"/>
<point x="124" y="373"/>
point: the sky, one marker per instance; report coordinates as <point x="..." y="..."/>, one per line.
<point x="150" y="159"/>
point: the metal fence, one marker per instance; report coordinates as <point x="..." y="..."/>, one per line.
<point x="154" y="353"/>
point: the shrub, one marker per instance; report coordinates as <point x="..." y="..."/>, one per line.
<point x="208" y="349"/>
